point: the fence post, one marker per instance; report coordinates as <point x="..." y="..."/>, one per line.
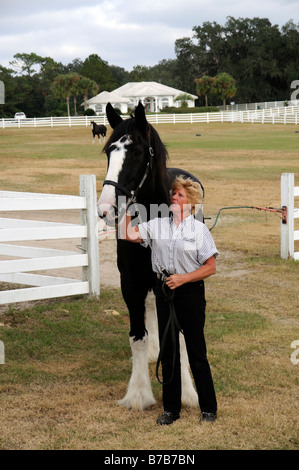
<point x="287" y="230"/>
<point x="91" y="273"/>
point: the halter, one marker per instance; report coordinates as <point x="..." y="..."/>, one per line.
<point x="133" y="193"/>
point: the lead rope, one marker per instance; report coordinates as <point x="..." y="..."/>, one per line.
<point x="172" y="324"/>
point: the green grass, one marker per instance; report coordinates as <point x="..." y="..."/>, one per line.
<point x="234" y="137"/>
<point x="80" y="330"/>
<point x="63" y="331"/>
<point x="63" y="346"/>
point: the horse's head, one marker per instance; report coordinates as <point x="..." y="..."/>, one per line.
<point x="131" y="155"/>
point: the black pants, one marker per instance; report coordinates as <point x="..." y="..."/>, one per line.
<point x="189" y="303"/>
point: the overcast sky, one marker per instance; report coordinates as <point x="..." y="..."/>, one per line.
<point x="121" y="32"/>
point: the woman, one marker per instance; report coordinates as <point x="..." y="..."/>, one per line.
<point x="184" y="248"/>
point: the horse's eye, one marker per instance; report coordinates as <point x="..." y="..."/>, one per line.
<point x="137" y="152"/>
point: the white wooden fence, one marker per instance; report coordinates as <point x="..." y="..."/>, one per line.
<point x="288" y="234"/>
<point x="28" y="259"/>
<point x="260" y="105"/>
<point x="286" y="115"/>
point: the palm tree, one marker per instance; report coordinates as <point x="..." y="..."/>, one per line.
<point x="86" y="86"/>
<point x="224" y="86"/>
<point x="204" y="86"/>
<point x="64" y="86"/>
<point x="183" y="97"/>
<point x="75" y="89"/>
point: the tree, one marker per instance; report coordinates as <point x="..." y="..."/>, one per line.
<point x="187" y="64"/>
<point x="211" y="47"/>
<point x="64" y="86"/>
<point x="75" y="89"/>
<point x="166" y="72"/>
<point x="50" y="69"/>
<point x="24" y="63"/>
<point x="290" y="39"/>
<point x="261" y="57"/>
<point x="204" y="86"/>
<point x="87" y="86"/>
<point x="98" y="70"/>
<point x="183" y="97"/>
<point x="140" y="73"/>
<point x="224" y="86"/>
<point x="120" y="75"/>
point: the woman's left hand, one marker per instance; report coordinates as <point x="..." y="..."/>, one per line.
<point x="206" y="270"/>
<point x="176" y="280"/>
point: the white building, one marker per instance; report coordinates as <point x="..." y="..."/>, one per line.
<point x="153" y="96"/>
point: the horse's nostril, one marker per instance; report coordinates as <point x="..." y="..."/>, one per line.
<point x="108" y="213"/>
<point x="101" y="213"/>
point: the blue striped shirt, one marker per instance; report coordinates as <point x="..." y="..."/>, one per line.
<point x="180" y="249"/>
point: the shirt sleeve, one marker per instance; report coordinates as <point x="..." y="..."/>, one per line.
<point x="205" y="245"/>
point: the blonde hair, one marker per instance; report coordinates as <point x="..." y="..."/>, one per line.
<point x="193" y="190"/>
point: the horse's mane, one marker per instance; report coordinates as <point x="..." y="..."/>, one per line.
<point x="127" y="127"/>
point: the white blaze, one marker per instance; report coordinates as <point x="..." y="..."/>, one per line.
<point x="116" y="160"/>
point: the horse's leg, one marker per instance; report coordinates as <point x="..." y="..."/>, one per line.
<point x="139" y="394"/>
<point x="134" y="287"/>
<point x="152" y="327"/>
<point x="189" y="395"/>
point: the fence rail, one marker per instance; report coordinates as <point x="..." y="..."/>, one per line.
<point x="278" y="115"/>
<point x="260" y="105"/>
<point x="29" y="259"/>
<point x="288" y="233"/>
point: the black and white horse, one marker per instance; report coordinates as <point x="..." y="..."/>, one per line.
<point x="99" y="130"/>
<point x="137" y="155"/>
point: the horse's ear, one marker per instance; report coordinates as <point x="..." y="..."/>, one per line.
<point x="140" y="118"/>
<point x="112" y="116"/>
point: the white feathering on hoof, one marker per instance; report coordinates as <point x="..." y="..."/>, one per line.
<point x="139" y="395"/>
<point x="152" y="327"/>
<point x="189" y="395"/>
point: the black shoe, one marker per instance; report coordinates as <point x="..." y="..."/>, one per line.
<point x="167" y="418"/>
<point x="208" y="417"/>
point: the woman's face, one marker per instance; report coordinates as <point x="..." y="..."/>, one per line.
<point x="179" y="203"/>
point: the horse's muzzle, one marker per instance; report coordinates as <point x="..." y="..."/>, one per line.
<point x="108" y="213"/>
